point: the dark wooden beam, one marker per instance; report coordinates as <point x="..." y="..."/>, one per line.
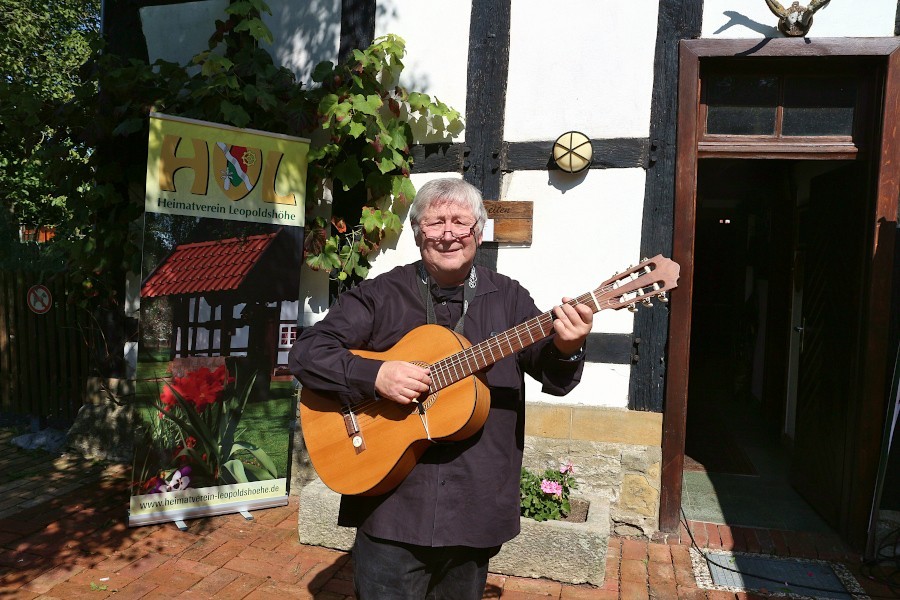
<point x="678" y="20"/>
<point x="357" y="26"/>
<point x="616" y="153"/>
<point x="620" y="153"/>
<point x="610" y="348"/>
<point x="897" y="20"/>
<point x="489" y="26"/>
<point x="438" y="158"/>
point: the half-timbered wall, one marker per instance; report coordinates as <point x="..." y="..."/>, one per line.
<point x="523" y="73"/>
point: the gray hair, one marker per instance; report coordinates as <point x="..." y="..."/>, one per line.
<point x="453" y="191"/>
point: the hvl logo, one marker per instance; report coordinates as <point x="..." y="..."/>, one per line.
<point x="235" y="169"/>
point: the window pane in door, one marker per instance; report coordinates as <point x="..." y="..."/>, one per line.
<point x="819" y="106"/>
<point x="741" y="105"/>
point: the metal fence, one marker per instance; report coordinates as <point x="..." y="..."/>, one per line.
<point x="44" y="355"/>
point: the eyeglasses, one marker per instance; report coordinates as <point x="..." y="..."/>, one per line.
<point x="435" y="232"/>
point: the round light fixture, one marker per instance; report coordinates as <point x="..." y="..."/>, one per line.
<point x="572" y="151"/>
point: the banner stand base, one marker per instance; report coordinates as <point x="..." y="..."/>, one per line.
<point x="246" y="515"/>
<point x="181" y="525"/>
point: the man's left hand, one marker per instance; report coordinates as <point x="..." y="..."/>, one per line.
<point x="572" y="326"/>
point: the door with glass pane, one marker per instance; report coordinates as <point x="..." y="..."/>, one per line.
<point x="808" y="100"/>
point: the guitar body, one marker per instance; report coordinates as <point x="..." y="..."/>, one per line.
<point x="374" y="452"/>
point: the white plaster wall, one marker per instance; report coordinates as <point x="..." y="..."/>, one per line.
<point x="304" y="33"/>
<point x="437" y="47"/>
<point x="586" y="228"/>
<point x="841" y="18"/>
<point x="581" y="65"/>
<point x="177" y="32"/>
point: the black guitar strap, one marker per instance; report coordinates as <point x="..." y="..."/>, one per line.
<point x="425" y="282"/>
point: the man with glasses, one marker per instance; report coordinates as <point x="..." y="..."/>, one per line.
<point x="433" y="535"/>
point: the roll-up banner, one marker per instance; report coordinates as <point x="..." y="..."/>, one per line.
<point x="220" y="278"/>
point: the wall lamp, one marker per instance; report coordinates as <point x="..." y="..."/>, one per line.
<point x="572" y="152"/>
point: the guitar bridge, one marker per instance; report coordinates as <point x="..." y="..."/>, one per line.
<point x="353" y="432"/>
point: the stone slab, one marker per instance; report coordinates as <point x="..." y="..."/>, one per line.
<point x="317" y="521"/>
<point x="565" y="552"/>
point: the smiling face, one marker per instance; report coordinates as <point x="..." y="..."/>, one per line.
<point x="447" y="259"/>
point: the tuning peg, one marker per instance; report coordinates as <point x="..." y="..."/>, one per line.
<point x="632" y="308"/>
<point x="646" y="302"/>
<point x="663" y="297"/>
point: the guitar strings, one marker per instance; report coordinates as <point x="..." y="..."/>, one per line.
<point x="441" y="369"/>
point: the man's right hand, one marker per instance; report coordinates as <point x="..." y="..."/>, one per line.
<point x="401" y="381"/>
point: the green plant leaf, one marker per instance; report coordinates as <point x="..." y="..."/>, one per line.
<point x="235" y="469"/>
<point x="214" y="63"/>
<point x="257" y="29"/>
<point x="348" y="173"/>
<point x="322" y="71"/>
<point x="370" y="219"/>
<point x="129" y="126"/>
<point x="391" y="221"/>
<point x="234" y="114"/>
<point x="356" y="129"/>
<point x="419" y="102"/>
<point x="367" y="104"/>
<point x="259" y="454"/>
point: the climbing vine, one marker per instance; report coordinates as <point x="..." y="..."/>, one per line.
<point x="357" y="115"/>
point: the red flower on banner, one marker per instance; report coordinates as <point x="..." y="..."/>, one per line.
<point x="199" y="388"/>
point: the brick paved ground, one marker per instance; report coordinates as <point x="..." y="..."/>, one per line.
<point x="63" y="535"/>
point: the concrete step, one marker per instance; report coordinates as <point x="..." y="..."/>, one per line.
<point x="565" y="552"/>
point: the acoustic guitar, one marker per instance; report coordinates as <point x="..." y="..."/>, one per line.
<point x="370" y="447"/>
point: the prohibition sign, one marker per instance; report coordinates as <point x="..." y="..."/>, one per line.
<point x="39" y="299"/>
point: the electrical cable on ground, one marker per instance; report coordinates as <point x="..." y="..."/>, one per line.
<point x="888" y="554"/>
<point x="709" y="561"/>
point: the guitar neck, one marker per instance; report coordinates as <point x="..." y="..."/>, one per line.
<point x="651" y="278"/>
<point x="466" y="362"/>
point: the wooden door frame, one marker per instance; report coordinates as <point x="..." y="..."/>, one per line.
<point x="878" y="289"/>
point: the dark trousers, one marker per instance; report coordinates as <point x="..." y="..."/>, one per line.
<point x="386" y="570"/>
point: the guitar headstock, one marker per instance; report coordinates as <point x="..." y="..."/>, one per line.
<point x="651" y="278"/>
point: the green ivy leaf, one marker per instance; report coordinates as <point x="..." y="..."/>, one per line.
<point x="257" y="29"/>
<point x="404" y="190"/>
<point x="322" y="71"/>
<point x="214" y="63"/>
<point x="129" y="126"/>
<point x="234" y="114"/>
<point x="348" y="173"/>
<point x="386" y="165"/>
<point x="356" y="129"/>
<point x="327" y="104"/>
<point x="367" y="104"/>
<point x="419" y="102"/>
<point x="371" y="219"/>
<point x="391" y="221"/>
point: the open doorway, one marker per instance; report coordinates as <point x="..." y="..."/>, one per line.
<point x="844" y="335"/>
<point x="778" y="275"/>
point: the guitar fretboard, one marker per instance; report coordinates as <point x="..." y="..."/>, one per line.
<point x="464" y="363"/>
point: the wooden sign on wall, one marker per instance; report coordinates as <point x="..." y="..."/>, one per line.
<point x="512" y="220"/>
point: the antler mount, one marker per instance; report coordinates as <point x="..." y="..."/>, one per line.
<point x="795" y="20"/>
